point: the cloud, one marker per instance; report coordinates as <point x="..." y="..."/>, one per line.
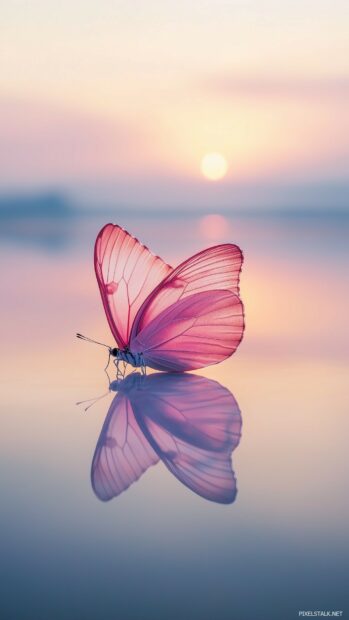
<point x="41" y="142"/>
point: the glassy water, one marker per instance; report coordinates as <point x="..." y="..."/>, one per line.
<point x="272" y="540"/>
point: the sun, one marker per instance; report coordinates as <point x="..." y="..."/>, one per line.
<point x="214" y="166"/>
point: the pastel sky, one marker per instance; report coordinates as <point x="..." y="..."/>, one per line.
<point x="125" y="98"/>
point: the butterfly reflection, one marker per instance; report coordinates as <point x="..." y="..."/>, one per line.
<point x="190" y="423"/>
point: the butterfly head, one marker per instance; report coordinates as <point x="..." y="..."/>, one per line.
<point x="114" y="351"/>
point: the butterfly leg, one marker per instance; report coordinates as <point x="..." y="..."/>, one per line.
<point x="107" y="366"/>
<point x="119" y="374"/>
<point x="108" y="362"/>
<point x="143" y="367"/>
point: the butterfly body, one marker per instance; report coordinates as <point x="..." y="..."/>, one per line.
<point x="172" y="320"/>
<point x="134" y="359"/>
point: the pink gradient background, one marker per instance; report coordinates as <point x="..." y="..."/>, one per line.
<point x="109" y="109"/>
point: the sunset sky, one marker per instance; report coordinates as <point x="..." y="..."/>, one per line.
<point x="123" y="100"/>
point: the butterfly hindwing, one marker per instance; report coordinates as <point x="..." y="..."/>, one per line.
<point x="196" y="331"/>
<point x="193" y="424"/>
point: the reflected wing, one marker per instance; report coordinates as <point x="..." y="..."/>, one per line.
<point x="122" y="454"/>
<point x="193" y="424"/>
<point x="127" y="273"/>
<point x="217" y="268"/>
<point x="196" y="331"/>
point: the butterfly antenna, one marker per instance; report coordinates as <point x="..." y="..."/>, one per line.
<point x="94" y="400"/>
<point x="90" y="340"/>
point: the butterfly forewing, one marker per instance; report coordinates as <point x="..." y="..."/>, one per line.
<point x="122" y="454"/>
<point x="217" y="268"/>
<point x="127" y="272"/>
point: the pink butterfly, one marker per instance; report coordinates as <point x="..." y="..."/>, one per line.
<point x="190" y="423"/>
<point x="169" y="319"/>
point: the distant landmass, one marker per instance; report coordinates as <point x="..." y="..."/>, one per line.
<point x="41" y="205"/>
<point x="56" y="205"/>
<point x="38" y="220"/>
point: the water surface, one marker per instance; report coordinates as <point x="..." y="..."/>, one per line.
<point x="160" y="550"/>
